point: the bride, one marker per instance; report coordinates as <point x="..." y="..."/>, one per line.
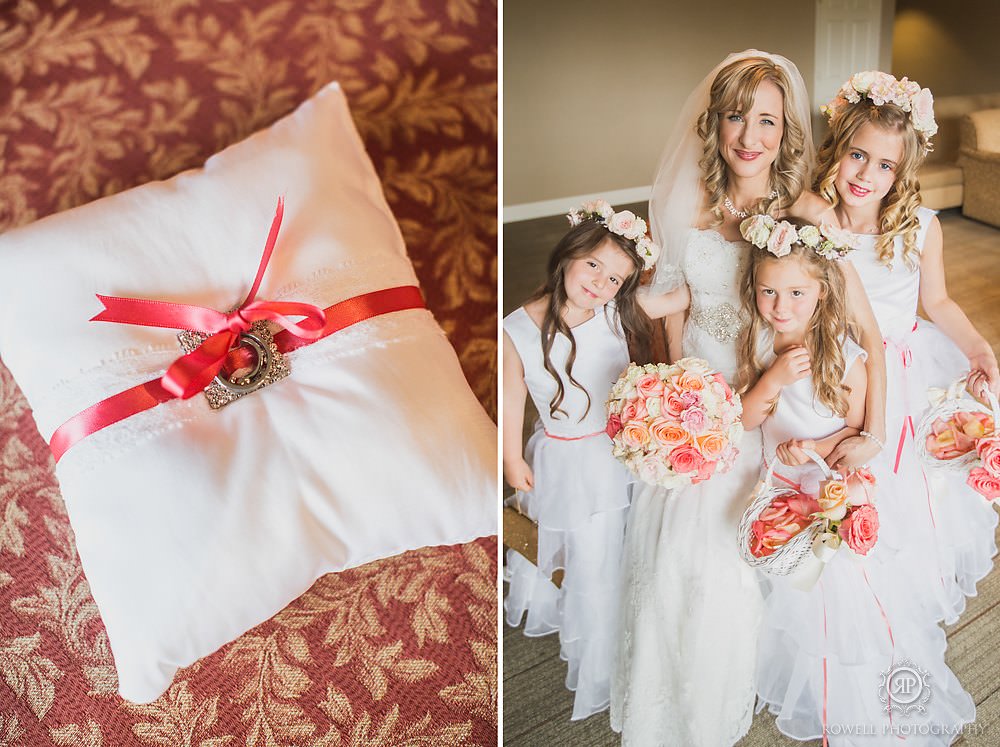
<point x="685" y="671"/>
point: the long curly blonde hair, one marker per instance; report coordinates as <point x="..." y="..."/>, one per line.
<point x="898" y="214"/>
<point x="824" y="339"/>
<point x="733" y="90"/>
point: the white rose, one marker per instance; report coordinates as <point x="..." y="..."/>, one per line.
<point x="622" y="223"/>
<point x="923" y="112"/>
<point x="653" y="407"/>
<point x="695" y="365"/>
<point x="756" y="229"/>
<point x="863" y="81"/>
<point x="809" y="235"/>
<point x="838" y="236"/>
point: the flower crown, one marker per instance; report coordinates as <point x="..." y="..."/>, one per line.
<point x="624" y="223"/>
<point x="882" y="88"/>
<point x="778" y="237"/>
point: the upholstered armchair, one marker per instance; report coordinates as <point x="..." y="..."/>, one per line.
<point x="980" y="160"/>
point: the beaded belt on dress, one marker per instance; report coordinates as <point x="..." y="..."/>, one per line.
<point x="723" y="321"/>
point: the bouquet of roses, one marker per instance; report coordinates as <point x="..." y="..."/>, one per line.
<point x="785" y="528"/>
<point x="674" y="425"/>
<point x="960" y="434"/>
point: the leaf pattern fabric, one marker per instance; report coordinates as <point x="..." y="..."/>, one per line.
<point x="99" y="97"/>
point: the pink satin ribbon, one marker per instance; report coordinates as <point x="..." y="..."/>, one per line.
<point x="192" y="372"/>
<point x="574" y="438"/>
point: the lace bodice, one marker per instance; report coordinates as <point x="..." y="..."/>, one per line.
<point x="713" y="267"/>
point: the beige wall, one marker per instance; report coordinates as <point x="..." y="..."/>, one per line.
<point x="953" y="48"/>
<point x="591" y="89"/>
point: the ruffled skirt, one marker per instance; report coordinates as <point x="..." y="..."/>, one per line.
<point x="580" y="503"/>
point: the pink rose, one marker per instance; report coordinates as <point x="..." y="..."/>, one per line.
<point x="690" y="399"/>
<point x="704" y="471"/>
<point x="719" y="378"/>
<point x="694" y="420"/>
<point x="635" y="435"/>
<point x="988" y="450"/>
<point x="860" y="529"/>
<point x="674" y="405"/>
<point x="633" y="410"/>
<point x="686" y="459"/>
<point x="860" y="486"/>
<point x="614" y="425"/>
<point x="649" y="385"/>
<point x="984" y="483"/>
<point x="779" y="243"/>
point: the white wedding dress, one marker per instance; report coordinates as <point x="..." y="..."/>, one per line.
<point x="691" y="607"/>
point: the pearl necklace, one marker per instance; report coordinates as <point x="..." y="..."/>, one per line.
<point x="741" y="214"/>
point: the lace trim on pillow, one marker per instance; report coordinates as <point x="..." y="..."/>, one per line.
<point x="131" y="367"/>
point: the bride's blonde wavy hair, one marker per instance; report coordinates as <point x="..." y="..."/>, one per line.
<point x="733" y="90"/>
<point x="898" y="214"/>
<point x="827" y="328"/>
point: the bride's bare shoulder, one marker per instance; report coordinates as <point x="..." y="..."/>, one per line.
<point x="813" y="208"/>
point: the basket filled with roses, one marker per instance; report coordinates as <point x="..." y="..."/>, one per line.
<point x="958" y="434"/>
<point x="787" y="527"/>
<point x="674" y="425"/>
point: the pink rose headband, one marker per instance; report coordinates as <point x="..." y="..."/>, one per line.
<point x="882" y="88"/>
<point x="778" y="237"/>
<point x="624" y="223"/>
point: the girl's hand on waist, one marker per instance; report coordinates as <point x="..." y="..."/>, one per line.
<point x="518" y="474"/>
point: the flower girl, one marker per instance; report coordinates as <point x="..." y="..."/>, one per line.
<point x="565" y="347"/>
<point x="880" y="130"/>
<point x="826" y="644"/>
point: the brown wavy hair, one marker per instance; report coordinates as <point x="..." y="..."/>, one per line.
<point x="824" y="338"/>
<point x="578" y="242"/>
<point x="898" y="214"/>
<point x="733" y="90"/>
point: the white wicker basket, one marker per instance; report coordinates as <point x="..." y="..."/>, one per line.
<point x="954" y="399"/>
<point x="789" y="556"/>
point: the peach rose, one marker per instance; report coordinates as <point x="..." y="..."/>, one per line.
<point x="689" y="381"/>
<point x="984" y="483"/>
<point x="668" y="432"/>
<point x="833" y="499"/>
<point x="860" y="529"/>
<point x="712" y="445"/>
<point x="649" y="385"/>
<point x="686" y="459"/>
<point x="635" y="435"/>
<point x="988" y="450"/>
